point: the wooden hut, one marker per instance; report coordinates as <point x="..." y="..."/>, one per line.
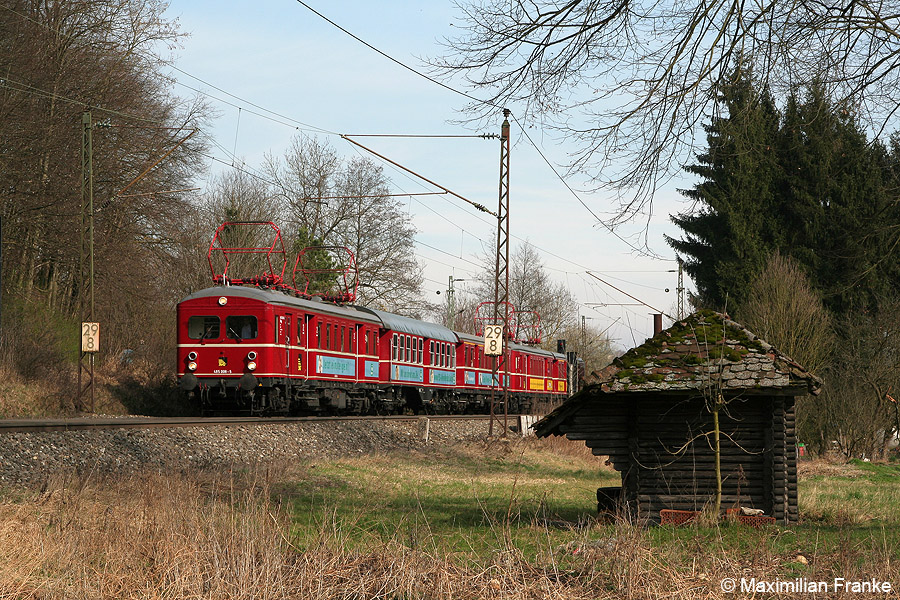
<point x="651" y="412"/>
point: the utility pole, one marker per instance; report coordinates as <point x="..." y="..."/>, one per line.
<point x="680" y="289"/>
<point x="501" y="283"/>
<point x="451" y="303"/>
<point x="584" y="332"/>
<point x="86" y="262"/>
<point x="1" y="277"/>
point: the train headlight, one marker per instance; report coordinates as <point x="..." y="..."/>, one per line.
<point x="223" y="300"/>
<point x="192" y="366"/>
<point x="251" y="366"/>
<point x="251" y="355"/>
<point x="192" y="355"/>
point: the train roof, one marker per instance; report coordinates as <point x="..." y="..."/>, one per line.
<point x="412" y="326"/>
<point x="276" y="297"/>
<point x="468" y="337"/>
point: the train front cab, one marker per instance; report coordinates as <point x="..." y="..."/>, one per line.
<point x="225" y="348"/>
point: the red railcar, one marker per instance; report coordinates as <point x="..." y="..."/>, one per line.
<point x="264" y="351"/>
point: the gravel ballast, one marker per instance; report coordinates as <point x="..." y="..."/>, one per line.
<point x="29" y="458"/>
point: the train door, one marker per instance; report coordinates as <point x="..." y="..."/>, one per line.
<point x="308" y="342"/>
<point x="282" y="343"/>
<point x="298" y="360"/>
<point x="287" y="340"/>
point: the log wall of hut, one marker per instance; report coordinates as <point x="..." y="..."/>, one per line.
<point x="662" y="444"/>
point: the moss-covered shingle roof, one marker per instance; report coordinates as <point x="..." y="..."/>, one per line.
<point x="706" y="348"/>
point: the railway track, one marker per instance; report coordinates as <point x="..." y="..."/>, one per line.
<point x="89" y="423"/>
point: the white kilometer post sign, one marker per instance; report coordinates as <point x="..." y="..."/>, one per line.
<point x="90" y="337"/>
<point x="493" y="340"/>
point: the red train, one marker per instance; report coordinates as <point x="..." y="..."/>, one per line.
<point x="261" y="348"/>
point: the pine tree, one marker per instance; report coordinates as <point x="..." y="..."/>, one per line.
<point x="835" y="202"/>
<point x="729" y="237"/>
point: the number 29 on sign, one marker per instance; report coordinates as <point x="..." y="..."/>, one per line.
<point x="493" y="340"/>
<point x="90" y="337"/>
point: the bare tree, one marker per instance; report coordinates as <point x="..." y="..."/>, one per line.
<point x="783" y="309"/>
<point x="862" y="380"/>
<point x="347" y="203"/>
<point x="591" y="344"/>
<point x="59" y="59"/>
<point x="632" y="81"/>
<point x="532" y="289"/>
<point x="238" y="197"/>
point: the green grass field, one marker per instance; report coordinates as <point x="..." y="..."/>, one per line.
<point x="460" y="502"/>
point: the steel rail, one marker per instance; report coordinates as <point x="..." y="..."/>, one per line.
<point x="88" y="423"/>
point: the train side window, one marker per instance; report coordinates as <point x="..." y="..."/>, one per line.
<point x="343" y="332"/>
<point x="401" y="354"/>
<point x="431" y="353"/>
<point x="203" y="327"/>
<point x="421" y="355"/>
<point x="318" y="335"/>
<point x="241" y="327"/>
<point x="394" y="346"/>
<point x="328" y="336"/>
<point x="452" y="356"/>
<point x="366" y="346"/>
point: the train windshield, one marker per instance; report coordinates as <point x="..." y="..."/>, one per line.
<point x="241" y="327"/>
<point x="203" y="327"/>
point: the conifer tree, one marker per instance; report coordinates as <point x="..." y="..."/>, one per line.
<point x="835" y="202"/>
<point x="729" y="237"/>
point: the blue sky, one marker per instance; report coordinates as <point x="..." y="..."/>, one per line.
<point x="279" y="55"/>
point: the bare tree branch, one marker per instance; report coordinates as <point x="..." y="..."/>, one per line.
<point x="631" y="80"/>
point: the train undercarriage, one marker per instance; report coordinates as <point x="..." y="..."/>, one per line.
<point x="274" y="397"/>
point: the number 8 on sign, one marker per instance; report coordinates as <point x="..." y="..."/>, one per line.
<point x="493" y="340"/>
<point x="90" y="337"/>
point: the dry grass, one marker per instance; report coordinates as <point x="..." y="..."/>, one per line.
<point x="119" y="389"/>
<point x="22" y="398"/>
<point x="171" y="537"/>
<point x="237" y="536"/>
<point x="826" y="467"/>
